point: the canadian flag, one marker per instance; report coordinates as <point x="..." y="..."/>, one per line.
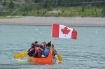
<point x="61" y="31"/>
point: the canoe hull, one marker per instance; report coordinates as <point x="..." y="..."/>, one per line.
<point x="47" y="60"/>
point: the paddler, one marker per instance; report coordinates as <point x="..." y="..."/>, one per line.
<point x="38" y="51"/>
<point x="49" y="45"/>
<point x="47" y="50"/>
<point x="43" y="45"/>
<point x="31" y="50"/>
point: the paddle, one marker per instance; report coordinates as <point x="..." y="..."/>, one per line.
<point x="20" y="55"/>
<point x="59" y="58"/>
<point x="29" y="59"/>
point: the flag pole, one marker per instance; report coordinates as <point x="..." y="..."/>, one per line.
<point x="51" y="35"/>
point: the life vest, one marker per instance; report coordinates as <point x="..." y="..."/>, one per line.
<point x="37" y="49"/>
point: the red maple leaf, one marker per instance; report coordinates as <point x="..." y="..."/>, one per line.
<point x="65" y="30"/>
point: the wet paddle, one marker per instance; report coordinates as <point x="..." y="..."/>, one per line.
<point x="20" y="55"/>
<point x="29" y="59"/>
<point x="59" y="58"/>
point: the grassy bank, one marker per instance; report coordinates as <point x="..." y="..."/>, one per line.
<point x="59" y="11"/>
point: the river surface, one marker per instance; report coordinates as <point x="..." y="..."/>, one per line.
<point x="87" y="52"/>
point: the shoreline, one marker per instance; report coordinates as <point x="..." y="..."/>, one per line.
<point x="47" y="21"/>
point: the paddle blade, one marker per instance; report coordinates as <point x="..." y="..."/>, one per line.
<point x="59" y="58"/>
<point x="20" y="55"/>
<point x="29" y="60"/>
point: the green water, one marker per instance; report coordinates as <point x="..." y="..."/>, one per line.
<point x="87" y="52"/>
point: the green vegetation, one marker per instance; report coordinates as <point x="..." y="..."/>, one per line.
<point x="65" y="8"/>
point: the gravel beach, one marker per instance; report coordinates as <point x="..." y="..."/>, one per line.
<point x="71" y="21"/>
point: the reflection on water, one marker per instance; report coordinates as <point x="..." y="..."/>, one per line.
<point x="87" y="52"/>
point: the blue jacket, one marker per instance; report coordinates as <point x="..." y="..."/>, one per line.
<point x="46" y="51"/>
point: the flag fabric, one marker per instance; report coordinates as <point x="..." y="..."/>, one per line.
<point x="62" y="31"/>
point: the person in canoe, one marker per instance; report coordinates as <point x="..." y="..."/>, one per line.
<point x="41" y="50"/>
<point x="37" y="52"/>
<point x="31" y="50"/>
<point x="47" y="50"/>
<point x="43" y="45"/>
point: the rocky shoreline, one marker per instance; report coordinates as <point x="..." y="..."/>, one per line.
<point x="46" y="21"/>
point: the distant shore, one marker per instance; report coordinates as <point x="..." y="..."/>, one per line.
<point x="47" y="21"/>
